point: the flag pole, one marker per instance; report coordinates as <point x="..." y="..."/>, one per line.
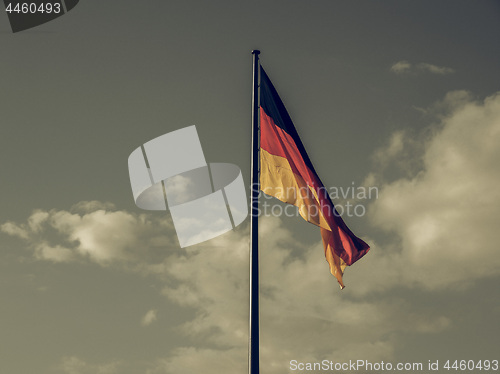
<point x="253" y="349"/>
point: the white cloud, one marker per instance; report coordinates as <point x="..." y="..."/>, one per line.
<point x="302" y="309"/>
<point x="55" y="253"/>
<point x="75" y="365"/>
<point x="434" y="69"/>
<point x="91" y="206"/>
<point x="150" y="317"/>
<point x="451" y="102"/>
<point x="212" y="279"/>
<point x="401" y="155"/>
<point x="179" y="189"/>
<point x="402" y="67"/>
<point x="190" y="360"/>
<point x="446" y="215"/>
<point x="10" y="228"/>
<point x="395" y="147"/>
<point x="98" y="235"/>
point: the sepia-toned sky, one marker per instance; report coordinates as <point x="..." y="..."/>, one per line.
<point x="399" y="96"/>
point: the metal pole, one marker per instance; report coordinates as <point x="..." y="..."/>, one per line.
<point x="253" y="349"/>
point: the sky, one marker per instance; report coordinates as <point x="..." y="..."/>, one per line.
<point x="401" y="97"/>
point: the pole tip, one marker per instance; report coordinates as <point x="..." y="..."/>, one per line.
<point x="256" y="52"/>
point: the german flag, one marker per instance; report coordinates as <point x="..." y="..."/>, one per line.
<point x="286" y="172"/>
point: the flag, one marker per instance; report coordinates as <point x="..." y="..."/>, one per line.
<point x="286" y="172"/>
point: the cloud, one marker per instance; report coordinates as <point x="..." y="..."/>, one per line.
<point x="179" y="189"/>
<point x="395" y="147"/>
<point x="434" y="69"/>
<point x="445" y="215"/>
<point x="150" y="317"/>
<point x="301" y="306"/>
<point x="402" y="67"/>
<point x="190" y="360"/>
<point x="91" y="206"/>
<point x="101" y="236"/>
<point x="452" y="101"/>
<point x="400" y="156"/>
<point x="75" y="365"/>
<point x="439" y="231"/>
<point x="302" y="309"/>
<point x="12" y="229"/>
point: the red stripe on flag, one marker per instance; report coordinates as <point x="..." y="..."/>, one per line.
<point x="277" y="142"/>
